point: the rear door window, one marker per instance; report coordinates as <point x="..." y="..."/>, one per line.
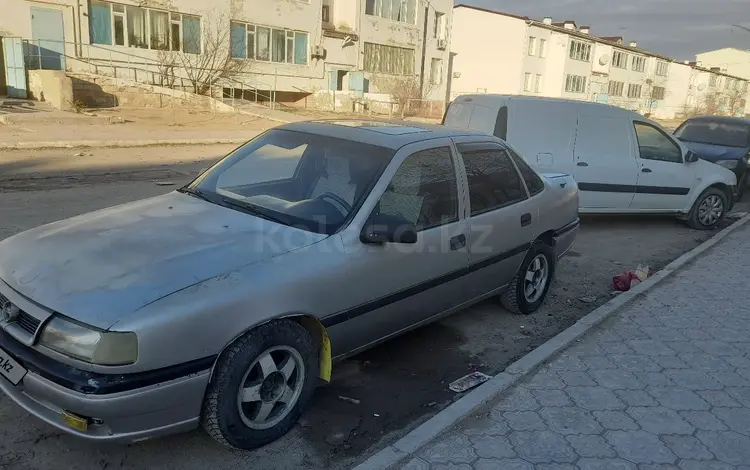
<point x="493" y="180"/>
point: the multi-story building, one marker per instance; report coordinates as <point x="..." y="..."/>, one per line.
<point x="293" y="47"/>
<point x="728" y="60"/>
<point x="561" y="59"/>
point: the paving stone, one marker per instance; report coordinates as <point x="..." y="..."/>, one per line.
<point x="704" y="420"/>
<point x="597" y="362"/>
<point x="693" y="379"/>
<point x="615" y="347"/>
<point x="595" y="398"/>
<point x="704" y="361"/>
<point x="545" y="379"/>
<point x="687" y="447"/>
<point x="585" y="348"/>
<point x="551" y="397"/>
<point x="493" y="447"/>
<point x="692" y="333"/>
<point x="591" y="446"/>
<point x="639" y="447"/>
<point x="742" y="394"/>
<point x="727" y="334"/>
<point x="678" y="398"/>
<point x="519" y="399"/>
<point x="730" y="379"/>
<point x="605" y="334"/>
<point x="417" y="464"/>
<point x="486" y="426"/>
<point x="659" y="420"/>
<point x="451" y="448"/>
<point x="654" y="379"/>
<point x="738" y="361"/>
<point x="717" y="348"/>
<point x="669" y="362"/>
<point x="576" y="378"/>
<point x="451" y="466"/>
<point x="542" y="447"/>
<point x="497" y="464"/>
<point x="718" y="398"/>
<point x="634" y="362"/>
<point x="628" y="330"/>
<point x="615" y="421"/>
<point x="567" y="363"/>
<point x="664" y="333"/>
<point x="636" y="398"/>
<point x="705" y="465"/>
<point x="681" y="346"/>
<point x="570" y="420"/>
<point x="727" y="446"/>
<point x="648" y="347"/>
<point x="555" y="466"/>
<point x="616" y="379"/>
<point x="657" y="466"/>
<point x="524" y="421"/>
<point x="605" y="464"/>
<point x="738" y="419"/>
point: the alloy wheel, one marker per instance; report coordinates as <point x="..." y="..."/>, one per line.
<point x="536" y="278"/>
<point x="710" y="210"/>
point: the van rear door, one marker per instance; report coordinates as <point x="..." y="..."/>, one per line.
<point x="478" y="117"/>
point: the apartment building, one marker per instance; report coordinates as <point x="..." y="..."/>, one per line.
<point x="729" y="61"/>
<point x="562" y="59"/>
<point x="295" y="47"/>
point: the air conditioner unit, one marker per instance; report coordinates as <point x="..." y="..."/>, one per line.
<point x="442" y="44"/>
<point x="319" y="51"/>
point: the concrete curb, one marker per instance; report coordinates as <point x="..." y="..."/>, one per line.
<point x="62" y="144"/>
<point x="471" y="402"/>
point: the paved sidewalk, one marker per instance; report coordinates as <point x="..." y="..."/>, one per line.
<point x="665" y="384"/>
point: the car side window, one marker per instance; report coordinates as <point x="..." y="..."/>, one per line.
<point x="423" y="190"/>
<point x="493" y="180"/>
<point x="534" y="183"/>
<point x="654" y="144"/>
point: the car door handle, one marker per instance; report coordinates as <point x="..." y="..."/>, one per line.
<point x="458" y="242"/>
<point x="525" y="220"/>
<point x="646" y="170"/>
<point x="582" y="164"/>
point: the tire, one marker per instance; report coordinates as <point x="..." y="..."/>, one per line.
<point x="515" y="298"/>
<point x="697" y="220"/>
<point x="228" y="418"/>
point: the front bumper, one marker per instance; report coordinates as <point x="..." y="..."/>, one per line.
<point x="565" y="236"/>
<point x="125" y="416"/>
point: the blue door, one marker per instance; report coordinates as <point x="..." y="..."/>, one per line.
<point x="15" y="71"/>
<point x="47" y="49"/>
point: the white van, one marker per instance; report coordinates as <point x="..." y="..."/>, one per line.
<point x="623" y="162"/>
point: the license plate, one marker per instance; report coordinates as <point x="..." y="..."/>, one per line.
<point x="10" y="369"/>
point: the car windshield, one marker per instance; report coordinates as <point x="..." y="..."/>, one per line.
<point x="304" y="180"/>
<point x="715" y="133"/>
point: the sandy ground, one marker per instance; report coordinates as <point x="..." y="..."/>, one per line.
<point x="399" y="384"/>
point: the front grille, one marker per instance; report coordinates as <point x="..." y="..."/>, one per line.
<point x="27" y="322"/>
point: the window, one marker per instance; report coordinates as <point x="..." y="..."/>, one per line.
<point x="619" y="60"/>
<point x="436" y="72"/>
<point x="269" y="44"/>
<point x="728" y="84"/>
<point x="634" y="91"/>
<point x="531" y="45"/>
<point x="538" y="84"/>
<point x="714" y="132"/>
<point x="580" y="51"/>
<point x="100" y="23"/>
<point x="653" y="144"/>
<point x="326" y="14"/>
<point x="391" y="60"/>
<point x="493" y="180"/>
<point x="527" y="82"/>
<point x="423" y="190"/>
<point x="615" y="88"/>
<point x="175" y="31"/>
<point x="712" y="81"/>
<point x="118" y="19"/>
<point x="159" y="27"/>
<point x="662" y="68"/>
<point x="534" y="183"/>
<point x="658" y="93"/>
<point x="191" y="34"/>
<point x="404" y="11"/>
<point x="639" y="64"/>
<point x="575" y="84"/>
<point x="439" y="32"/>
<point x="136" y="21"/>
<point x="542" y="48"/>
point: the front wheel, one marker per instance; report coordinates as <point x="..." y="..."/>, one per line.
<point x="529" y="286"/>
<point x="708" y="209"/>
<point x="261" y="385"/>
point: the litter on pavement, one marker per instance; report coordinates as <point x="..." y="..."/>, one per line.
<point x="469" y="381"/>
<point x="627" y="280"/>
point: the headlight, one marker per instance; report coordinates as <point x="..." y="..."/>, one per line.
<point x="731" y="164"/>
<point x="89" y="344"/>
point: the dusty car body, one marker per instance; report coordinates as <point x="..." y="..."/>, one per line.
<point x="223" y="302"/>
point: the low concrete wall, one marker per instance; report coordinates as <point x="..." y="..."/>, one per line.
<point x="53" y="87"/>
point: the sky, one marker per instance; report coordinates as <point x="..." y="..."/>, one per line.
<point x="675" y="28"/>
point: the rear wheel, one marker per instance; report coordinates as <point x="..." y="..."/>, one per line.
<point x="708" y="209"/>
<point x="529" y="287"/>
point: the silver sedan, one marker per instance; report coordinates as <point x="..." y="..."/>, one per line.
<point x="222" y="303"/>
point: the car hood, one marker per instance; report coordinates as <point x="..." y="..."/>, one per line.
<point x="100" y="266"/>
<point x="713" y="153"/>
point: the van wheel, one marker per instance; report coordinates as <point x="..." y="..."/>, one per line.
<point x="261" y="385"/>
<point x="529" y="287"/>
<point x="708" y="209"/>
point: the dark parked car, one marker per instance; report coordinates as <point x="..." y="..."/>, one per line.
<point x="722" y="140"/>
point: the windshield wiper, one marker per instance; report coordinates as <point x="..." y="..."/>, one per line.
<point x="195" y="192"/>
<point x="253" y="209"/>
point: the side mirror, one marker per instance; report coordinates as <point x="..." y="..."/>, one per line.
<point x="381" y="228"/>
<point x="691" y="157"/>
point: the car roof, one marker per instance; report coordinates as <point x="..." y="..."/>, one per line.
<point x="383" y="133"/>
<point x="725" y="119"/>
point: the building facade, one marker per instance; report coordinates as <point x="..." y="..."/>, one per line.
<point x="561" y="59"/>
<point x="293" y="47"/>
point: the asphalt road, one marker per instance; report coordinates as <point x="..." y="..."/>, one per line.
<point x="399" y="384"/>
